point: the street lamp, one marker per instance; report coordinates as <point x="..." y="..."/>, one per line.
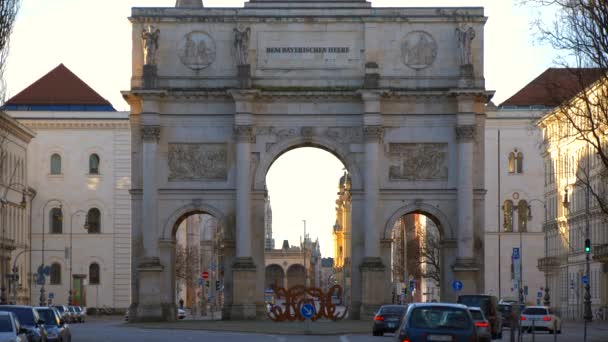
<point x="86" y="227"/>
<point x="42" y="292"/>
<point x="547" y="297"/>
<point x="3" y="202"/>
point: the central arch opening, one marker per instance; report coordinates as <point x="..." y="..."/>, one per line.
<point x="307" y="222"/>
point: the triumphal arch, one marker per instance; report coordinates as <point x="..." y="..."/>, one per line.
<point x="218" y="94"/>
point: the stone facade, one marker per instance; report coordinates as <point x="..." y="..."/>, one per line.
<point x="513" y="183"/>
<point x="274" y="76"/>
<point x="76" y="187"/>
<point x="15" y="211"/>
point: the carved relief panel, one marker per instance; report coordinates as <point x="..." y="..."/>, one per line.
<point x="197" y="50"/>
<point x="198" y="162"/>
<point x="416" y="161"/>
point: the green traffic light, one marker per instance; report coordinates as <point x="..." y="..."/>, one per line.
<point x="587" y="246"/>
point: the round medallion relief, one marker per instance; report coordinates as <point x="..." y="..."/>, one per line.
<point x="197" y="50"/>
<point x="418" y="50"/>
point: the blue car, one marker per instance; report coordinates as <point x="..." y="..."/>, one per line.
<point x="426" y="322"/>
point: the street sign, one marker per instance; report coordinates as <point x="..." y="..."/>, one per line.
<point x="515" y="253"/>
<point x="585" y="279"/>
<point x="539" y="294"/>
<point x="307" y="310"/>
<point x="412" y="285"/>
<point x="51" y="295"/>
<point x="40" y="280"/>
<point x="200" y="281"/>
<point x="205" y="275"/>
<point x="457" y="285"/>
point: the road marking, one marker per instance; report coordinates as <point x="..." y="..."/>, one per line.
<point x="281" y="339"/>
<point x="344" y="338"/>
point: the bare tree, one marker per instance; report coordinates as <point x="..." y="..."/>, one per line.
<point x="580" y="31"/>
<point x="186" y="262"/>
<point x="8" y="14"/>
<point x="425" y="260"/>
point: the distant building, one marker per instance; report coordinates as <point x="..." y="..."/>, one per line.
<point x="15" y="211"/>
<point x="80" y="164"/>
<point x="342" y="232"/>
<point x="268" y="240"/>
<point x="293" y="265"/>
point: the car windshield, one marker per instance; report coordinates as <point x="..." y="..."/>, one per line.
<point x="78" y="309"/>
<point x="482" y="302"/>
<point x="71" y="308"/>
<point x="48" y="316"/>
<point x="24" y="315"/>
<point x="400" y="310"/>
<point x="60" y="308"/>
<point x="477" y="315"/>
<point x="504" y="308"/>
<point x="535" y="311"/>
<point x="438" y="317"/>
<point x="5" y="324"/>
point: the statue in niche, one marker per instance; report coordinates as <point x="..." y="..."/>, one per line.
<point x="241" y="45"/>
<point x="464" y="38"/>
<point x="149" y="37"/>
<point x="507" y="209"/>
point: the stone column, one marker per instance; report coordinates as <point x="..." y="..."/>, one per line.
<point x="465" y="135"/>
<point x="243" y="268"/>
<point x="372" y="269"/>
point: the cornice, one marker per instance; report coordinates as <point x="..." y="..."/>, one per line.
<point x="16" y="128"/>
<point x="75" y="124"/>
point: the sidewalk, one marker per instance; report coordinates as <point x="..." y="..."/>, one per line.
<point x="320" y="327"/>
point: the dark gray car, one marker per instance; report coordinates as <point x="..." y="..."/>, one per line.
<point x="388" y="318"/>
<point x="56" y="328"/>
<point x="30" y="320"/>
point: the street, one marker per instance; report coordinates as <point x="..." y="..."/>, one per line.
<point x="115" y="331"/>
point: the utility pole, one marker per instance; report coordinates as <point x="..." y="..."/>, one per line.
<point x="588" y="316"/>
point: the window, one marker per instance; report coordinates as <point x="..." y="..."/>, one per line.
<point x="55" y="274"/>
<point x="56" y="221"/>
<point x="93" y="221"/>
<point x="94" y="274"/>
<point x="511" y="162"/>
<point x="94" y="164"/>
<point x="55" y="164"/>
<point x="519" y="161"/>
<point x="516" y="162"/>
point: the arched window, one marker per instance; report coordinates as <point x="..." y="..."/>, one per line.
<point x="511" y="162"/>
<point x="55" y="164"/>
<point x="56" y="221"/>
<point x="507" y="209"/>
<point x="94" y="221"/>
<point x="522" y="216"/>
<point x="94" y="164"/>
<point x="55" y="274"/>
<point x="94" y="274"/>
<point x="520" y="162"/>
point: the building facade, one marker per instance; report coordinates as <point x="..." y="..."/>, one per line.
<point x="575" y="182"/>
<point x="515" y="210"/>
<point x="15" y="211"/>
<point x="81" y="215"/>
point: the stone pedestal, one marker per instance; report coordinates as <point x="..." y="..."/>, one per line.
<point x="149" y="307"/>
<point x="150" y="74"/>
<point x="466" y="79"/>
<point x="372" y="76"/>
<point x="468" y="272"/>
<point x="372" y="286"/>
<point x="243" y="296"/>
<point x="244" y="76"/>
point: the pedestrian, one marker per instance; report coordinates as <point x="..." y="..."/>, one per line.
<point x="181" y="303"/>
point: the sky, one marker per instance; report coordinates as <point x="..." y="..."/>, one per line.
<point x="93" y="39"/>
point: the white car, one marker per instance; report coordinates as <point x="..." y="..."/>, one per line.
<point x="10" y="329"/>
<point x="540" y="318"/>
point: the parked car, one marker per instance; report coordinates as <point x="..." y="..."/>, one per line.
<point x="10" y="328"/>
<point x="30" y="320"/>
<point x="73" y="314"/>
<point x="489" y="305"/>
<point x="388" y="318"/>
<point x="78" y="317"/>
<point x="540" y="318"/>
<point x="506" y="311"/>
<point x="56" y="328"/>
<point x="63" y="312"/>
<point x="481" y="324"/>
<point x="181" y="313"/>
<point x="82" y="313"/>
<point x="437" y="322"/>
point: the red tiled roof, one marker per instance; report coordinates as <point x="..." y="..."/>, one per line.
<point x="59" y="87"/>
<point x="554" y="86"/>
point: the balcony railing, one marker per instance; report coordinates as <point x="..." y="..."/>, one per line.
<point x="548" y="264"/>
<point x="600" y="252"/>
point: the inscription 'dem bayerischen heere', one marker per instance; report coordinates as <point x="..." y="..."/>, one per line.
<point x="275" y="50"/>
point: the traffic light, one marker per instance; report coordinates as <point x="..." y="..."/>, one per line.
<point x="217" y="285"/>
<point x="207" y="283"/>
<point x="587" y="246"/>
